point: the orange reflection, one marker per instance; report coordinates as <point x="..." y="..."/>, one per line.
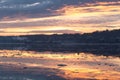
<point x="82" y="66"/>
<point x="91" y="74"/>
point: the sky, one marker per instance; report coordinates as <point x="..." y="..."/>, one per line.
<point x="24" y="17"/>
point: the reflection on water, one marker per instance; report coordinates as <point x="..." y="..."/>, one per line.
<point x="59" y="65"/>
<point x="107" y="50"/>
<point x="28" y="75"/>
<point x="12" y="76"/>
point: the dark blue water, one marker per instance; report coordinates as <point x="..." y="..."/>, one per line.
<point x="22" y="76"/>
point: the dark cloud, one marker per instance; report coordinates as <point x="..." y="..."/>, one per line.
<point x="105" y="19"/>
<point x="51" y="22"/>
<point x="35" y="8"/>
<point x="55" y="31"/>
<point x="102" y="19"/>
<point x="12" y="8"/>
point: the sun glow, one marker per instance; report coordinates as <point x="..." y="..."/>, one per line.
<point x="83" y="19"/>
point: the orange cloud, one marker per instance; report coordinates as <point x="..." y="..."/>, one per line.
<point x="83" y="19"/>
<point x="78" y="10"/>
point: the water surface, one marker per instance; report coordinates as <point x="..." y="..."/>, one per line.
<point x="32" y="65"/>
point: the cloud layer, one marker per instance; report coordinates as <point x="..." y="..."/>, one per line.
<point x="65" y="16"/>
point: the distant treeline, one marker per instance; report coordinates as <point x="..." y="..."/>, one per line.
<point x="100" y="43"/>
<point x="95" y="37"/>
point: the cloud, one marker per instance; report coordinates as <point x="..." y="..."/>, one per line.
<point x="30" y="8"/>
<point x="24" y="6"/>
<point x="47" y="16"/>
<point x="55" y="32"/>
<point x="12" y="8"/>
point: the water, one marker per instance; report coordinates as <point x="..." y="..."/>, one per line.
<point x="8" y="76"/>
<point x="35" y="62"/>
<point x="104" y="49"/>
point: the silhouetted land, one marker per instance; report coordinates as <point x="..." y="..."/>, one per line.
<point x="99" y="43"/>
